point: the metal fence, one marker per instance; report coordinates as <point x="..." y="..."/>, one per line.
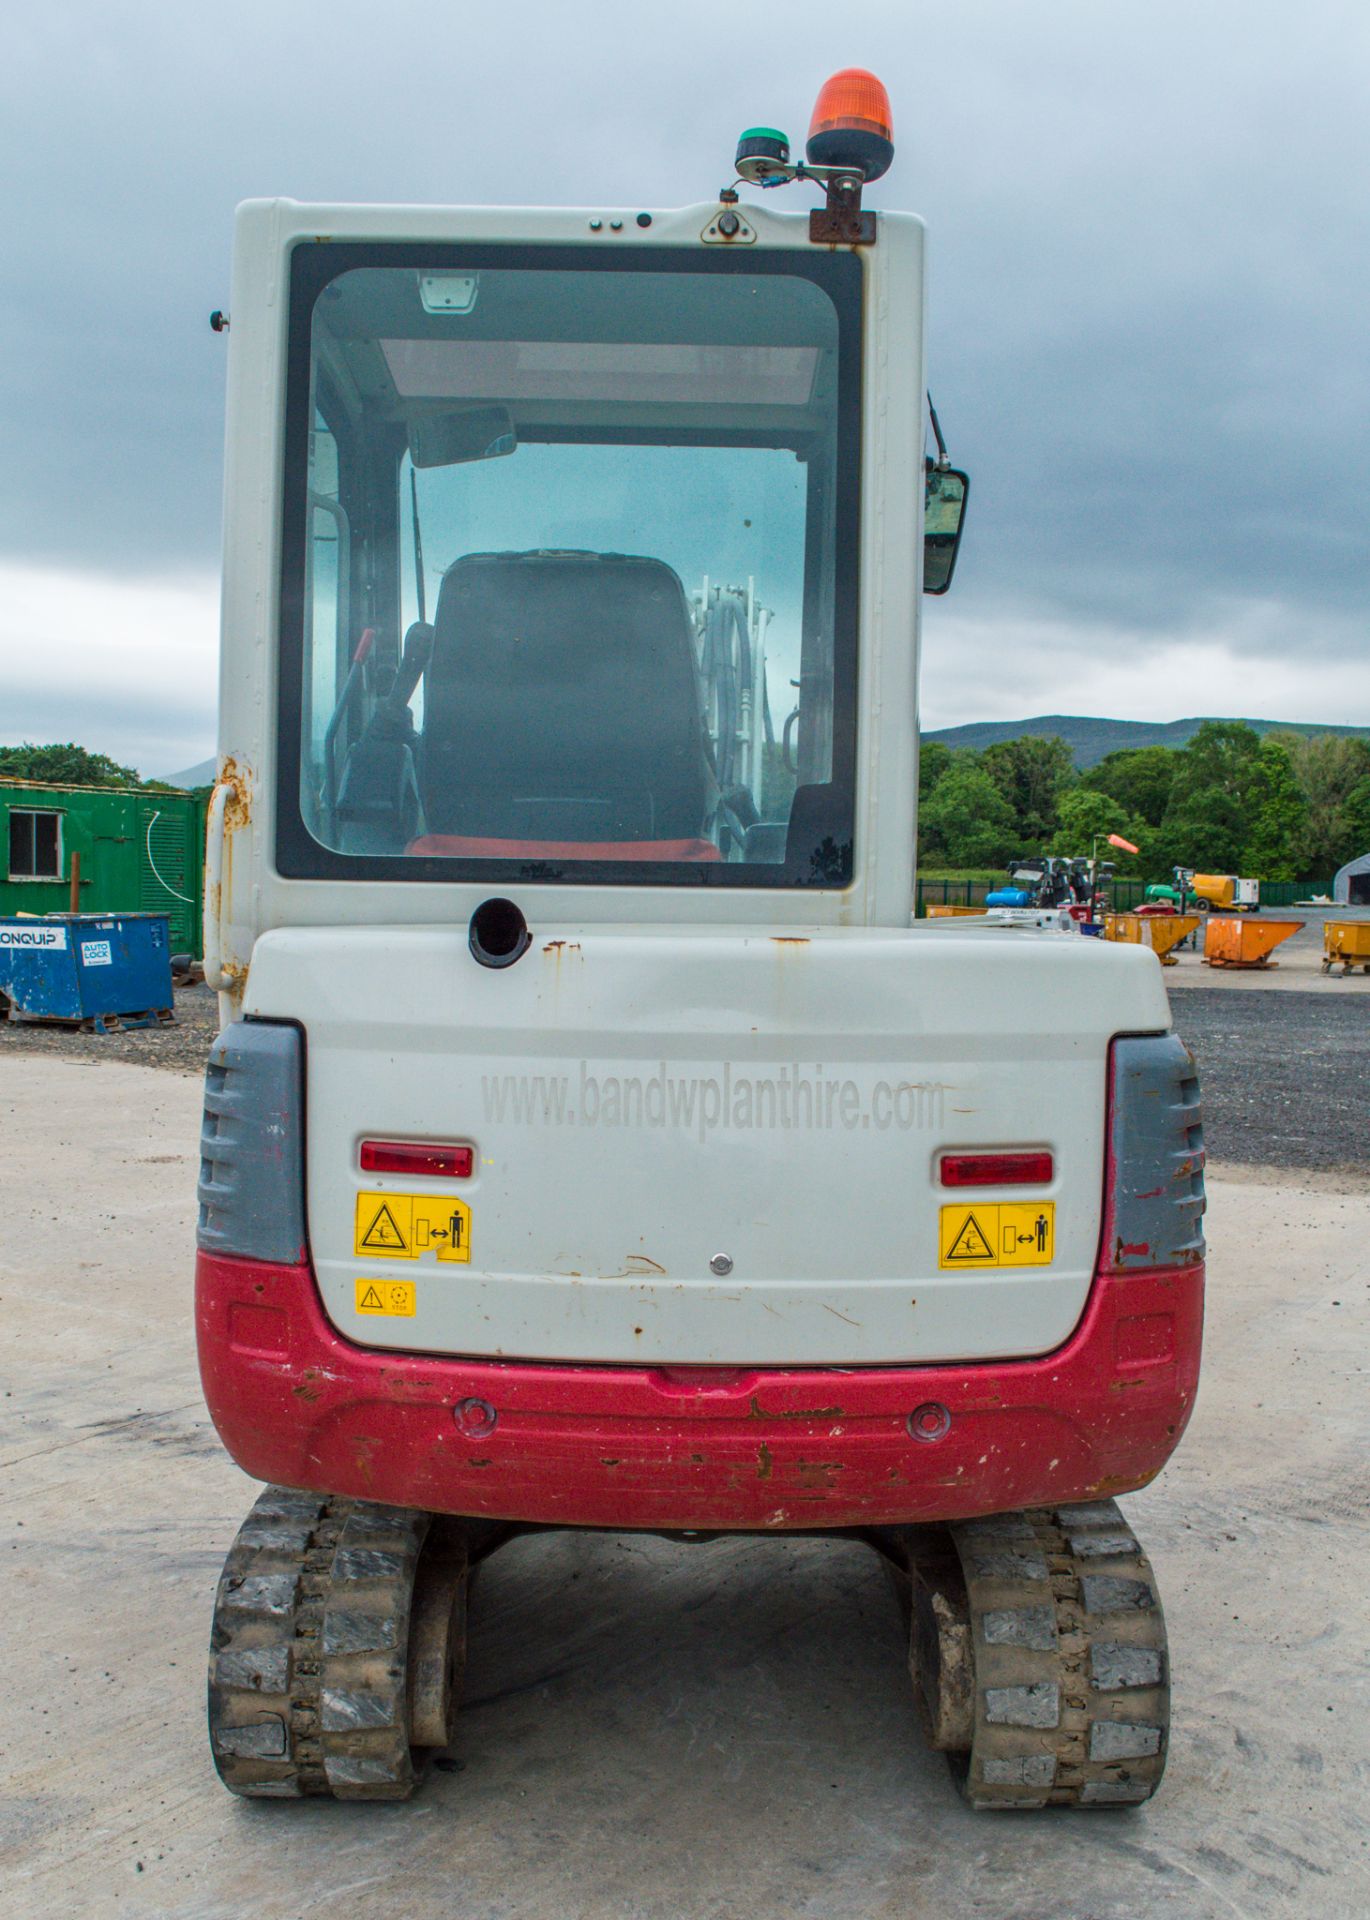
<point x="1126" y="892"/>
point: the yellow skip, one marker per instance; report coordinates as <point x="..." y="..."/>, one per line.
<point x="973" y="1234"/>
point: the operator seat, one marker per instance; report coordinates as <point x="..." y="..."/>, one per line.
<point x="562" y="703"/>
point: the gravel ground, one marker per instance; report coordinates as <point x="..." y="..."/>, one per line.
<point x="1284" y="1074"/>
<point x="180" y="1048"/>
<point x="1284" y="1077"/>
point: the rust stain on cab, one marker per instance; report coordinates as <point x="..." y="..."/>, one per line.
<point x="237" y="782"/>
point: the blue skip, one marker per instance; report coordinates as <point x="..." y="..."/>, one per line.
<point x="101" y="969"/>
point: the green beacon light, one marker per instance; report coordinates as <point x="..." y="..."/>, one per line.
<point x="763" y="157"/>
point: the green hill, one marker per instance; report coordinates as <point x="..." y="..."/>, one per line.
<point x="1089" y="738"/>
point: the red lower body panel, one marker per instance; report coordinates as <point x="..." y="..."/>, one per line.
<point x="759" y="1449"/>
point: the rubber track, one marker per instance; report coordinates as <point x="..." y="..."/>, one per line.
<point x="1072" y="1684"/>
<point x="307" y="1673"/>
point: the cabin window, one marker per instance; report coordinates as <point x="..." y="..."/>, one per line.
<point x="35" y="845"/>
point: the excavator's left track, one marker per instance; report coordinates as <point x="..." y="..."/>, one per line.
<point x="337" y="1645"/>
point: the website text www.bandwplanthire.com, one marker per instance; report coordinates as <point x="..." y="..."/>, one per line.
<point x="724" y="1100"/>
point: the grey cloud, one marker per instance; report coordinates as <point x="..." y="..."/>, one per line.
<point x="1148" y="265"/>
<point x="155" y="735"/>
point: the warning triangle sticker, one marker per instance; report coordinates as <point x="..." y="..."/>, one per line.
<point x="371" y="1302"/>
<point x="970" y="1242"/>
<point x="384" y="1233"/>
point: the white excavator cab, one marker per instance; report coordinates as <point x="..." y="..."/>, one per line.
<point x="662" y="495"/>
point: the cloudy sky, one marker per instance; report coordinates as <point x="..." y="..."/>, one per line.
<point x="1149" y="337"/>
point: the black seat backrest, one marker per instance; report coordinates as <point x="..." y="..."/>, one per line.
<point x="562" y="701"/>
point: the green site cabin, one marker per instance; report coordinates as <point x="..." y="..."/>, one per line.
<point x="140" y="852"/>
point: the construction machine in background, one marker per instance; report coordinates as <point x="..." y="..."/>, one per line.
<point x="592" y="1139"/>
<point x="1077" y="888"/>
<point x="1208" y="892"/>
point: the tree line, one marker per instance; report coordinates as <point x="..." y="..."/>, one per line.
<point x="1276" y="807"/>
<point x="64" y="764"/>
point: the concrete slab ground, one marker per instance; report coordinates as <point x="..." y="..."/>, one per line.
<point x="651" y="1730"/>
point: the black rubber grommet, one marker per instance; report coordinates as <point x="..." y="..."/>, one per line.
<point x="499" y="933"/>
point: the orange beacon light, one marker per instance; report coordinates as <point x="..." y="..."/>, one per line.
<point x="852" y="126"/>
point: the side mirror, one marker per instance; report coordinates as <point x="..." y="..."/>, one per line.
<point x="451" y="439"/>
<point x="944" y="510"/>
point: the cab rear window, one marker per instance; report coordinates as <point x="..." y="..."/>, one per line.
<point x="569" y="573"/>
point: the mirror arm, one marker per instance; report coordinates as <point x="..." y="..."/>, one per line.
<point x="942" y="460"/>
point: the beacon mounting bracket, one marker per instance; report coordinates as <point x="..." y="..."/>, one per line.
<point x="851" y="141"/>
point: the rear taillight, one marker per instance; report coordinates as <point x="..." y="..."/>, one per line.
<point x="419" y="1157"/>
<point x="1154" y="1203"/>
<point x="251" y="1187"/>
<point x="996" y="1169"/>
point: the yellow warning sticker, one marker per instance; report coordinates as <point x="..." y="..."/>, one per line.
<point x="975" y="1235"/>
<point x="395" y="1297"/>
<point x="402" y="1226"/>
